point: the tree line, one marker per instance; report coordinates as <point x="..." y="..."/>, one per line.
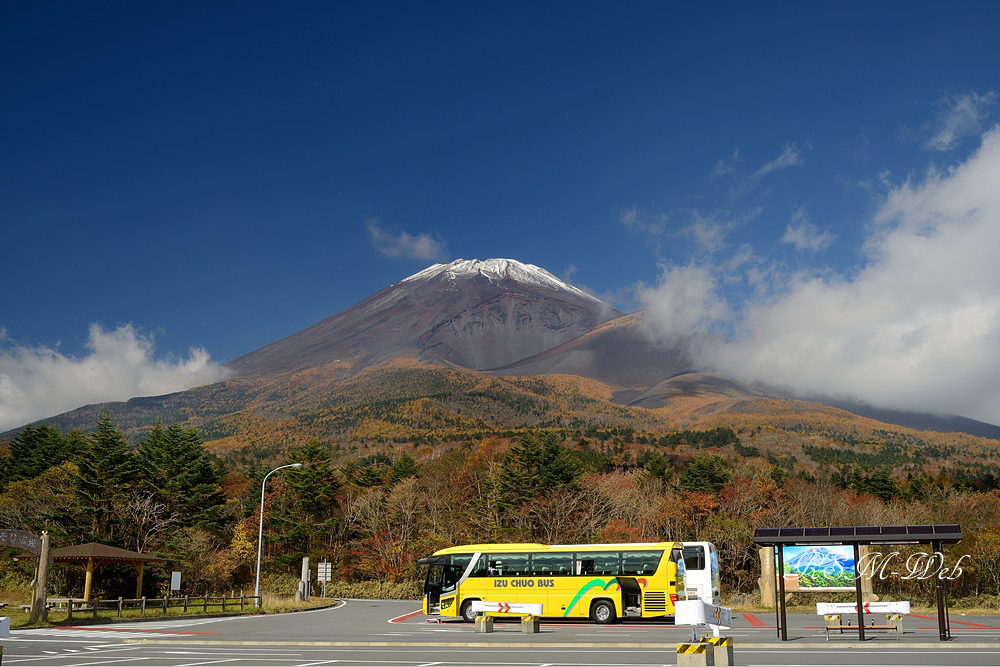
<point x="374" y="513"/>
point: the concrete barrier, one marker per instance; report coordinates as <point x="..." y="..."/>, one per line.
<point x="696" y="653"/>
<point x="530" y="625"/>
<point x="722" y="649"/>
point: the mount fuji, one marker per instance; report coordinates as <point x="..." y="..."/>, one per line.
<point x="469" y="313"/>
<point x="477" y="327"/>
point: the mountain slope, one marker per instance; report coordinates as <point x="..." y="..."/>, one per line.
<point x="470" y="313"/>
<point x="618" y="353"/>
<point x="478" y="346"/>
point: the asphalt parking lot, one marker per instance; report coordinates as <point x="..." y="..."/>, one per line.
<point x="377" y="633"/>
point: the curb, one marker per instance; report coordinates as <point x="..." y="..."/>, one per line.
<point x="156" y="619"/>
<point x="533" y="645"/>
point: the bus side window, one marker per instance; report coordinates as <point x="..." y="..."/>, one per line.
<point x="481" y="569"/>
<point x="640" y="562"/>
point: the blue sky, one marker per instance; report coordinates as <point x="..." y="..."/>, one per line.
<point x="182" y="183"/>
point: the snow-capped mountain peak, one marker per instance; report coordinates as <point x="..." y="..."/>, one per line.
<point x="498" y="269"/>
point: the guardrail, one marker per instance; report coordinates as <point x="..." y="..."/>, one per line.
<point x="153" y="605"/>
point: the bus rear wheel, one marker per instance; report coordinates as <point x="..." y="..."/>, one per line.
<point x="603" y="612"/>
<point x="467" y="614"/>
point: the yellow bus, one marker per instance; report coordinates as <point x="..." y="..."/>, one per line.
<point x="605" y="582"/>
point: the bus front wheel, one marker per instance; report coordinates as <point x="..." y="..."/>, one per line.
<point x="603" y="612"/>
<point x="467" y="614"/>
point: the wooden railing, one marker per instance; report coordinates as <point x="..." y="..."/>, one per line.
<point x="153" y="605"/>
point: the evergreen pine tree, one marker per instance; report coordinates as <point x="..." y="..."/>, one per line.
<point x="536" y="466"/>
<point x="177" y="469"/>
<point x="307" y="512"/>
<point x="33" y="451"/>
<point x="107" y="473"/>
<point x="405" y="466"/>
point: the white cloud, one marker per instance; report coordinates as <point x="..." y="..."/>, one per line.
<point x="727" y="165"/>
<point x="422" y="246"/>
<point x="39" y="382"/>
<point x="709" y="233"/>
<point x="960" y="116"/>
<point x="791" y="156"/>
<point x="685" y="301"/>
<point x="804" y="235"/>
<point x="917" y="327"/>
<point x="651" y="224"/>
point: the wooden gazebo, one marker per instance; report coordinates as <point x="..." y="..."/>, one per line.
<point x="92" y="555"/>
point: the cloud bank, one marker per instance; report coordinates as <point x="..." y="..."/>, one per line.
<point x="39" y="382"/>
<point x="422" y="246"/>
<point x="917" y="327"/>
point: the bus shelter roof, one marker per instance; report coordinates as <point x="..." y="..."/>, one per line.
<point x="774" y="537"/>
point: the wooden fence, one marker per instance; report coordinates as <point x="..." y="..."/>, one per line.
<point x="154" y="605"/>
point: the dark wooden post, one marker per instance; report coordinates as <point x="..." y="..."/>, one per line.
<point x="39" y="609"/>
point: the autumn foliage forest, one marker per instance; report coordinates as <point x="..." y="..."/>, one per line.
<point x="407" y="477"/>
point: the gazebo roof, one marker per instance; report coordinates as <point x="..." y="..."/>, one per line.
<point x="83" y="552"/>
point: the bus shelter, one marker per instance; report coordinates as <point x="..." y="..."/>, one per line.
<point x="92" y="555"/>
<point x="856" y="536"/>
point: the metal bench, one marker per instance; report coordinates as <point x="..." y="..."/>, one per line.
<point x="832" y="612"/>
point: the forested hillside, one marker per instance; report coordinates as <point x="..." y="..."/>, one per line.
<point x="415" y="475"/>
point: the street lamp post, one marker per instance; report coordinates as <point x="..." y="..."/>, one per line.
<point x="260" y="532"/>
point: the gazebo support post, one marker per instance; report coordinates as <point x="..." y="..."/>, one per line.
<point x="88" y="583"/>
<point x="140" y="567"/>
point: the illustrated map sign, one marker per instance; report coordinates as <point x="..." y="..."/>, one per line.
<point x="21" y="539"/>
<point x="819" y="568"/>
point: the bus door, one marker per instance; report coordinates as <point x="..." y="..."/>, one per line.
<point x="631" y="597"/>
<point x="441" y="578"/>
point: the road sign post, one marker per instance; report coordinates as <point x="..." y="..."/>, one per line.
<point x="323" y="572"/>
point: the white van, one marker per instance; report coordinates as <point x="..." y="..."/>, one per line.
<point x="701" y="563"/>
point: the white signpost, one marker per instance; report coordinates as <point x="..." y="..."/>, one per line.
<point x="323" y="572"/>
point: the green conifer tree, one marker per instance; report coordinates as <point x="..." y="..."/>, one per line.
<point x="307" y="511"/>
<point x="177" y="468"/>
<point x="107" y="473"/>
<point x="33" y="451"/>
